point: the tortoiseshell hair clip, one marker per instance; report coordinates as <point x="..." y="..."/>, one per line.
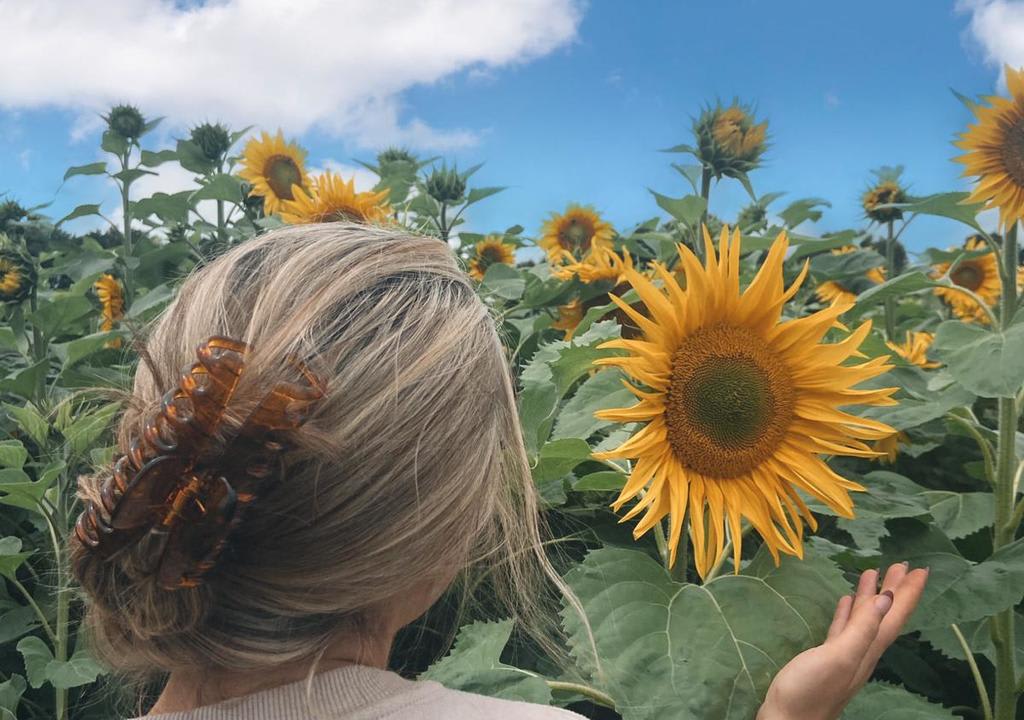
<point x="186" y="482"/>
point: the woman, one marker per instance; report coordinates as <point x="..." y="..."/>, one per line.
<point x="345" y="445"/>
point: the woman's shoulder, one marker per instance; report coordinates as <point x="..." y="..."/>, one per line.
<point x="436" y="702"/>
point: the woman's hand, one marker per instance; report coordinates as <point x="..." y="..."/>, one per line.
<point x="817" y="683"/>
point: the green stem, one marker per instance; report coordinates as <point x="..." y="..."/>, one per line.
<point x="1003" y="623"/>
<point x="47" y="628"/>
<point x="443" y="224"/>
<point x="662" y="543"/>
<point x="678" y="571"/>
<point x="726" y="552"/>
<point x="593" y="693"/>
<point x="222" y="232"/>
<point x="38" y="345"/>
<point x="890" y="303"/>
<point x="984" y="445"/>
<point x="979" y="682"/>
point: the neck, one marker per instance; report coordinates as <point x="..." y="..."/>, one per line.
<point x="189" y="689"/>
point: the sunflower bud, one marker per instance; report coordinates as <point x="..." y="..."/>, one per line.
<point x="17" y="275"/>
<point x="752" y="218"/>
<point x="729" y="141"/>
<point x="394" y="156"/>
<point x="11" y="212"/>
<point x="446" y="185"/>
<point x="885" y="192"/>
<point x="126" y="121"/>
<point x="212" y="139"/>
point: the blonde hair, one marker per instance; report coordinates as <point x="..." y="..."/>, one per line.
<point x="412" y="465"/>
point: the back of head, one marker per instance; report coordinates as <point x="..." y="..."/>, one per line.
<point x="411" y="464"/>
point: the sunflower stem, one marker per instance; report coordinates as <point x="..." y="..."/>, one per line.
<point x="890" y="302"/>
<point x="678" y="571"/>
<point x="979" y="682"/>
<point x="1005" y="530"/>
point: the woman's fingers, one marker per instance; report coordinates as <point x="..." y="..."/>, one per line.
<point x="906" y="594"/>
<point x="841" y="616"/>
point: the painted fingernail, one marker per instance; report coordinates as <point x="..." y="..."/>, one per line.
<point x="905" y="564"/>
<point x="884" y="601"/>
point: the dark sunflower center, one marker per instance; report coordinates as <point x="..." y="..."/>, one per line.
<point x="730" y="401"/>
<point x="490" y="255"/>
<point x="576" y="235"/>
<point x="1013" y="152"/>
<point x="967" y="275"/>
<point x="282" y="172"/>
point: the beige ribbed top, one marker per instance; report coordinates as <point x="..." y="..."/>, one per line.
<point x="356" y="692"/>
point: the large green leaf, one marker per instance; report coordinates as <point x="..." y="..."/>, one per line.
<point x="688" y="209"/>
<point x="602" y="390"/>
<point x="11" y="691"/>
<point x="551" y="373"/>
<point x="37" y="655"/>
<point x="11" y="555"/>
<point x="960" y="514"/>
<point x="950" y="205"/>
<point x="989" y="363"/>
<point x="668" y="650"/>
<point x="880" y="701"/>
<point x="958" y="590"/>
<point x="897" y="287"/>
<point x="504" y="281"/>
<point x="474" y="665"/>
<point x="12" y="454"/>
<point x="220" y="187"/>
<point x="978" y="635"/>
<point x="96" y="168"/>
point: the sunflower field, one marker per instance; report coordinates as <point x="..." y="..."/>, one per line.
<point x="727" y="419"/>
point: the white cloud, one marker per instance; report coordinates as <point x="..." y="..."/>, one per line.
<point x="339" y="65"/>
<point x="998" y="27"/>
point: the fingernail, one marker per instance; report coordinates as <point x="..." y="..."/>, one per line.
<point x="884" y="601"/>
<point x="905" y="564"/>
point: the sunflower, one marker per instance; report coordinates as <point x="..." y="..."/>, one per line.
<point x="889" y="447"/>
<point x="886" y="192"/>
<point x="915" y="349"/>
<point x="111" y="297"/>
<point x="603" y="263"/>
<point x="576" y="231"/>
<point x="17" y="276"/>
<point x="995" y="152"/>
<point x="332" y="199"/>
<point x="490" y="251"/>
<point x="738" y="406"/>
<point x="273" y="167"/>
<point x="569" y="317"/>
<point x="831" y="291"/>
<point x="979" y="275"/>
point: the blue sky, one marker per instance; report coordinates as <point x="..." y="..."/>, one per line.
<point x="580" y="116"/>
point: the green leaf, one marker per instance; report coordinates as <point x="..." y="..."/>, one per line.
<point x="153" y="159"/>
<point x="958" y="590"/>
<point x="692" y="652"/>
<point x="804" y="209"/>
<point x="950" y="205"/>
<point x="550" y="374"/>
<point x="474" y="665"/>
<point x="81" y="211"/>
<point x="978" y="635"/>
<point x="190" y="156"/>
<point x="24" y="382"/>
<point x="37" y="656"/>
<point x="687" y="210"/>
<point x="156" y="298"/>
<point x="960" y="514"/>
<point x="220" y="187"/>
<point x="911" y="413"/>
<point x="83" y="433"/>
<point x="15" y="623"/>
<point x="12" y="454"/>
<point x="11" y="691"/>
<point x="880" y="701"/>
<point x="127" y="177"/>
<point x="96" y="168"/>
<point x="30" y="421"/>
<point x="504" y="281"/>
<point x="61" y="313"/>
<point x="113" y="143"/>
<point x="73" y="351"/>
<point x="79" y="670"/>
<point x="897" y="287"/>
<point x="603" y="480"/>
<point x="169" y="208"/>
<point x="11" y="556"/>
<point x="478" y="194"/>
<point x="846" y="265"/>
<point x="988" y="362"/>
<point x="559" y="457"/>
<point x="602" y="390"/>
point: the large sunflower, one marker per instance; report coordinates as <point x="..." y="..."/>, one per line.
<point x="492" y="250"/>
<point x="576" y="231"/>
<point x="915" y="349"/>
<point x="273" y="167"/>
<point x="332" y="199"/>
<point x="979" y="275"/>
<point x="831" y="291"/>
<point x="738" y="406"/>
<point x="995" y="152"/>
